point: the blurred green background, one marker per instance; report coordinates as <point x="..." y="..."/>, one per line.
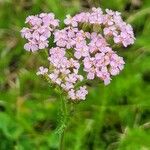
<point x="116" y="117"/>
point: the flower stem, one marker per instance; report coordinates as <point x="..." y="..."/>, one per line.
<point x="61" y="143"/>
<point x="64" y="121"/>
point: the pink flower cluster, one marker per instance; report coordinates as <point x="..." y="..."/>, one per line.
<point x="79" y="54"/>
<point x="111" y="23"/>
<point x="92" y="50"/>
<point x="65" y="73"/>
<point x="39" y="32"/>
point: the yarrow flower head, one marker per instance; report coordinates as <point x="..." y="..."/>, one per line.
<point x="39" y="31"/>
<point x="83" y="50"/>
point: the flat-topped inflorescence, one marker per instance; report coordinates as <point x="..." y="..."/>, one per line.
<point x="82" y="50"/>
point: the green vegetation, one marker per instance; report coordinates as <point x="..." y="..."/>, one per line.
<point x="116" y="117"/>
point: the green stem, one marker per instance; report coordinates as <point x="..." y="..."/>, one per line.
<point x="64" y="121"/>
<point x="61" y="143"/>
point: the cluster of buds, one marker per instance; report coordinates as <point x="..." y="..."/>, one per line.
<point x="83" y="50"/>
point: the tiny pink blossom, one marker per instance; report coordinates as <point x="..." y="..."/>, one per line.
<point x="81" y="93"/>
<point x="42" y="71"/>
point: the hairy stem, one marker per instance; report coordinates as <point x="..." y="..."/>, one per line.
<point x="61" y="143"/>
<point x="64" y="121"/>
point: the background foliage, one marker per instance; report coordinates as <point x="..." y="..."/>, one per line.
<point x="116" y="117"/>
